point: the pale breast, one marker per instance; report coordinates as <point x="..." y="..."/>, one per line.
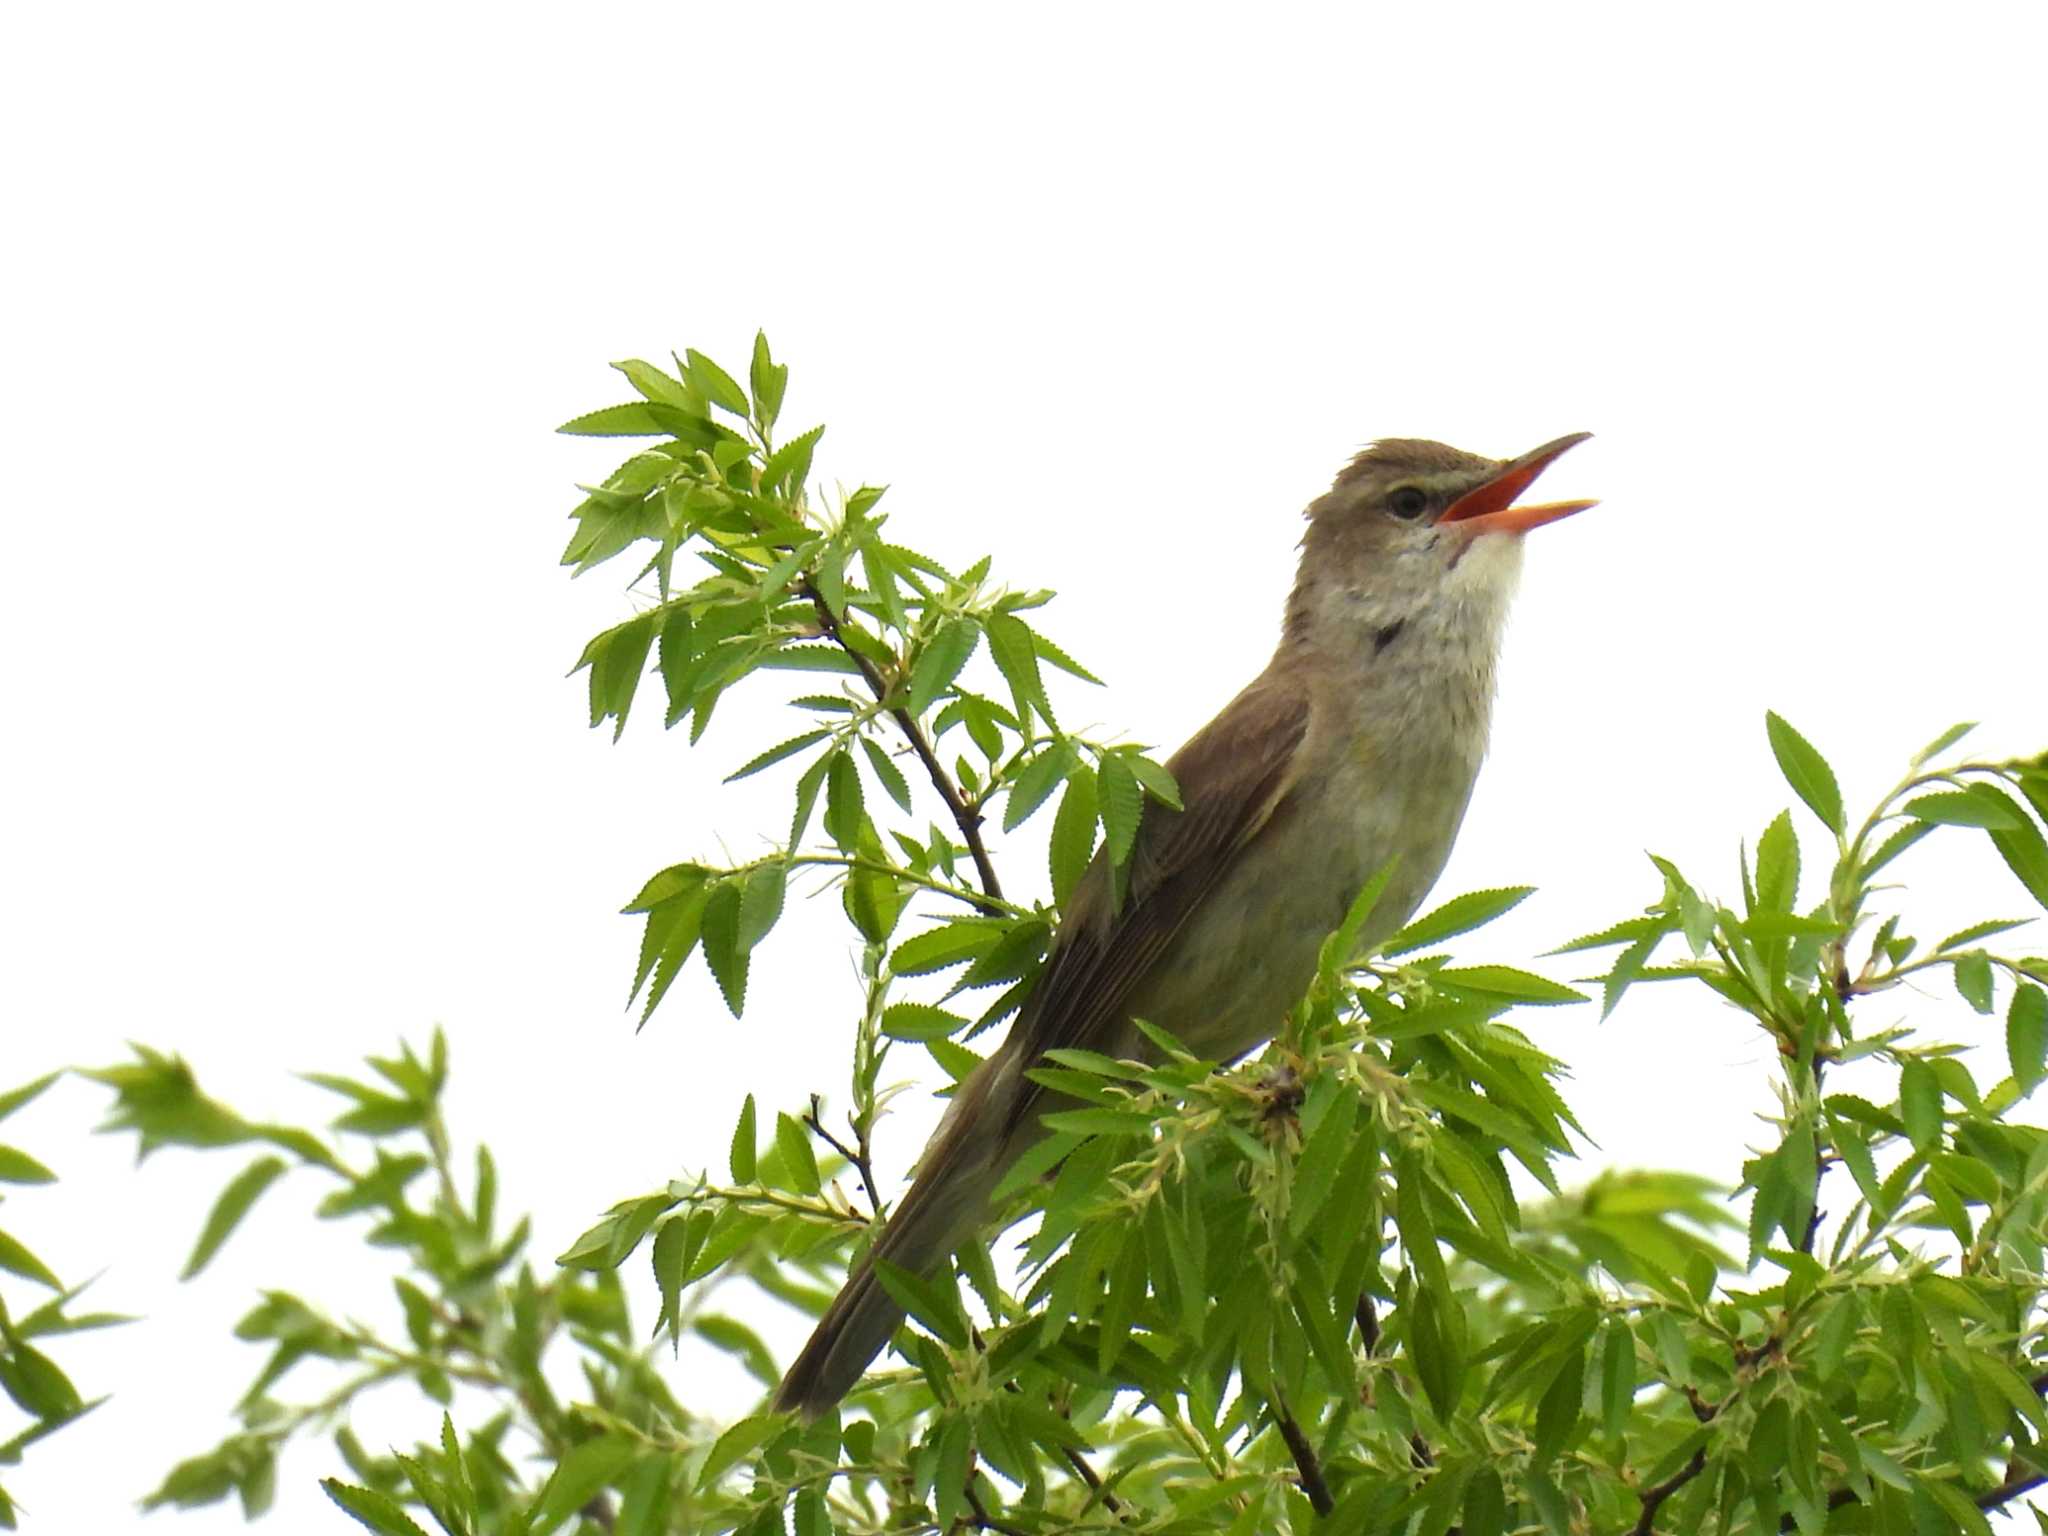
<point x="1250" y="950"/>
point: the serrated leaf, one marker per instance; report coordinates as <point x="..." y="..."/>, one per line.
<point x="1009" y="642"/>
<point x="789" y="467"/>
<point x="1121" y="803"/>
<point x="947" y="945"/>
<point x="370" y="1509"/>
<point x="1073" y="834"/>
<point x="1972" y="807"/>
<point x="1047" y="651"/>
<point x="713" y="382"/>
<point x="1806" y="771"/>
<point x="1507" y="981"/>
<point x="798" y="1160"/>
<point x="234" y="1202"/>
<point x="1920" y="1104"/>
<point x="736" y="1443"/>
<point x="654" y="384"/>
<point x="744" y="1142"/>
<point x="1461" y="914"/>
<point x="776" y="754"/>
<point x="1973" y="979"/>
<point x="2026" y="1035"/>
<point x="940" y="661"/>
<point x="920" y="1022"/>
<point x="1032" y="785"/>
<point x="769" y="380"/>
<point x="2026" y="855"/>
<point x="723" y="951"/>
<point x="761" y="902"/>
<point x="638" y="418"/>
<point x="893" y="782"/>
<point x="1943" y="742"/>
<point x="930" y="1301"/>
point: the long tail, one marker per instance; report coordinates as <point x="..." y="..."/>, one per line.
<point x="957" y="1172"/>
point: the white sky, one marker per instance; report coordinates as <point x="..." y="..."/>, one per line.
<point x="295" y="299"/>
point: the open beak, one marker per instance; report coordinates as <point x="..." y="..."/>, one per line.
<point x="1490" y="508"/>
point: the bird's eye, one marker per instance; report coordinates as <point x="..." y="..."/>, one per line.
<point x="1408" y="503"/>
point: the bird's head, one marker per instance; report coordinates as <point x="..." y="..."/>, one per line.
<point x="1411" y="526"/>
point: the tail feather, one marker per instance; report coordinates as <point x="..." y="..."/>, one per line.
<point x="956" y="1175"/>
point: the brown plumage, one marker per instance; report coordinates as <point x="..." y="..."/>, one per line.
<point x="1347" y="751"/>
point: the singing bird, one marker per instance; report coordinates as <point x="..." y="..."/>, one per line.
<point x="1358" y="745"/>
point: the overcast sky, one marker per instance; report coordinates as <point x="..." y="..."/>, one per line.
<point x="297" y="296"/>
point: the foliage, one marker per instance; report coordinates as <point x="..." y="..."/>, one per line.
<point x="1337" y="1286"/>
<point x="34" y="1382"/>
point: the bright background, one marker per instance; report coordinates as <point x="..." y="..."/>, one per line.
<point x="296" y="297"/>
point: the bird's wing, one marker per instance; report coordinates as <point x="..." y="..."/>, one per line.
<point x="1232" y="775"/>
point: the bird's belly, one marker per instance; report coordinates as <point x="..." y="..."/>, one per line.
<point x="1249" y="952"/>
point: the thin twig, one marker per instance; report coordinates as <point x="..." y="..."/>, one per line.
<point x="984" y="1521"/>
<point x="1088" y="1475"/>
<point x="967" y="819"/>
<point x="1368" y="1323"/>
<point x="861" y="1160"/>
<point x="1304" y="1455"/>
<point x="1653" y="1498"/>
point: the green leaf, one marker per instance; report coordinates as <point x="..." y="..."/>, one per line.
<point x="1920" y="1103"/>
<point x="370" y="1509"/>
<point x="761" y="902"/>
<point x="1506" y="981"/>
<point x="730" y="1447"/>
<point x="2026" y="854"/>
<point x="1034" y="783"/>
<point x="776" y="754"/>
<point x="639" y="418"/>
<point x="1777" y="866"/>
<point x="1461" y="914"/>
<point x="17" y="1167"/>
<point x="919" y="1021"/>
<point x="242" y="1192"/>
<point x="713" y="382"/>
<point x="932" y="1304"/>
<point x="1047" y="651"/>
<point x="1972" y="807"/>
<point x="1009" y="641"/>
<point x="794" y="1143"/>
<point x="845" y="811"/>
<point x="20" y="1261"/>
<point x="947" y="945"/>
<point x="745" y="1140"/>
<point x="940" y="661"/>
<point x="897" y="787"/>
<point x="1806" y="771"/>
<point x="1943" y="742"/>
<point x="723" y="951"/>
<point x="789" y="467"/>
<point x="1073" y="834"/>
<point x="14" y="1098"/>
<point x="656" y="385"/>
<point x="1973" y="979"/>
<point x="1122" y="804"/>
<point x="2026" y="1035"/>
<point x="769" y="380"/>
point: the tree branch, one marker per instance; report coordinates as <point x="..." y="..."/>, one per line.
<point x="1653" y="1498"/>
<point x="862" y="1162"/>
<point x="1304" y="1455"/>
<point x="965" y="817"/>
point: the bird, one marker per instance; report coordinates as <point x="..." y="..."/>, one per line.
<point x="1355" y="749"/>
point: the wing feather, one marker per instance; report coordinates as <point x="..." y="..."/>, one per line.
<point x="1233" y="774"/>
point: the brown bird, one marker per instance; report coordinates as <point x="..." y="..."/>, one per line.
<point x="1358" y="745"/>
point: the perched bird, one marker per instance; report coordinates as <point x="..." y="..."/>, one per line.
<point x="1357" y="745"/>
